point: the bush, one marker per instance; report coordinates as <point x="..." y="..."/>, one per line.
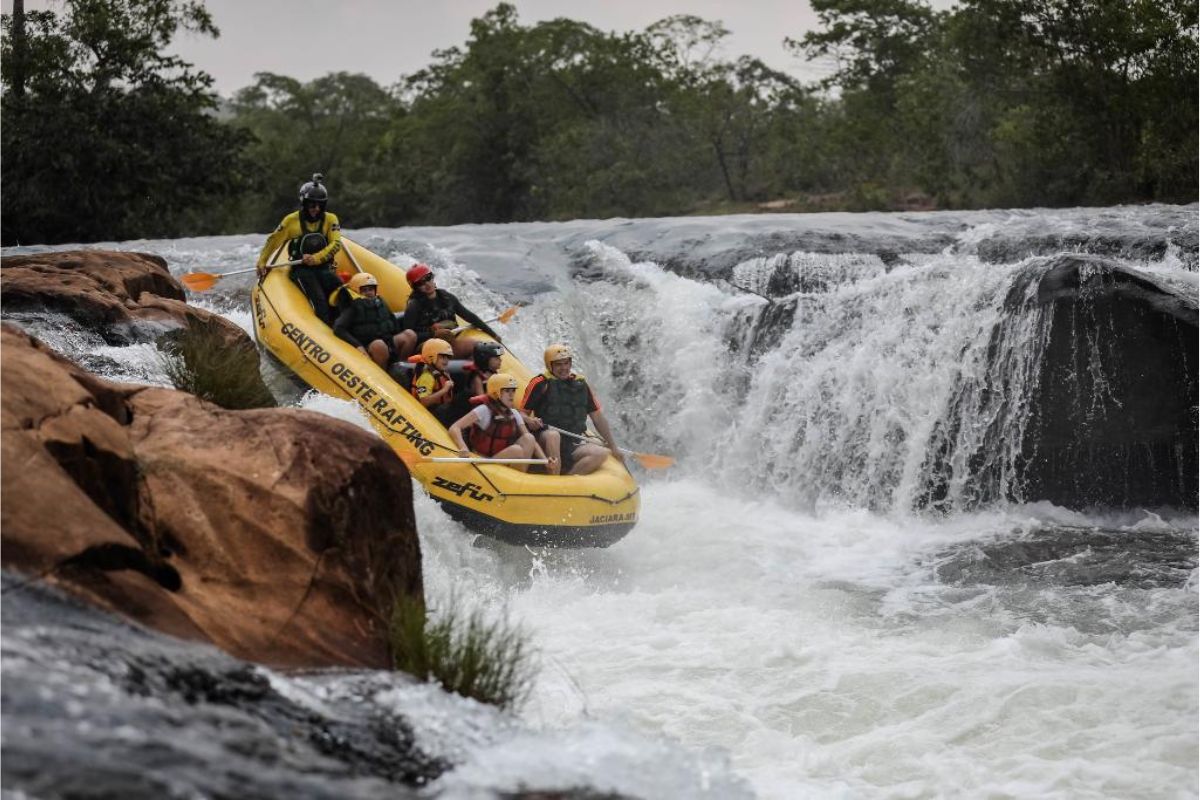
<point x="200" y="360"/>
<point x="488" y="662"/>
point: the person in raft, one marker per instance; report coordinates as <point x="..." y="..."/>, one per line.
<point x="561" y="398"/>
<point x="486" y="363"/>
<point x="431" y="312"/>
<point x="431" y="384"/>
<point x="368" y="323"/>
<point x="314" y="236"/>
<point x="496" y="428"/>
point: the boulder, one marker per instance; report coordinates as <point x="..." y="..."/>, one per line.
<point x="1106" y="417"/>
<point x="280" y="536"/>
<point x="1113" y="422"/>
<point x="125" y="297"/>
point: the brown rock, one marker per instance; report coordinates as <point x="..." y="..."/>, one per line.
<point x="126" y="297"/>
<point x="281" y="536"/>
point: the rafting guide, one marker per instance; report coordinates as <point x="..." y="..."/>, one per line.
<point x="314" y="238"/>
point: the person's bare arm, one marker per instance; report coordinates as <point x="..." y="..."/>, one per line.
<point x="455" y="430"/>
<point x="602" y="427"/>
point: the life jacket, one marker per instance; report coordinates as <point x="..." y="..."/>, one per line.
<point x="371" y="319"/>
<point x="565" y="404"/>
<point x="441" y="378"/>
<point x="439" y="309"/>
<point x="502" y="431"/>
<point x="312" y="238"/>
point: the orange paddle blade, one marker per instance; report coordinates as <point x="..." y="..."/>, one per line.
<point x="413" y="459"/>
<point x="199" y="281"/>
<point x="651" y="461"/>
<point x="507" y="315"/>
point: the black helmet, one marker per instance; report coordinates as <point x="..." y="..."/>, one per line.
<point x="314" y="191"/>
<point x="483" y="353"/>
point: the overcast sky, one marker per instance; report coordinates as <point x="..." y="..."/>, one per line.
<point x="385" y="39"/>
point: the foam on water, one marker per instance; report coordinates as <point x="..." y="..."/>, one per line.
<point x="821" y="653"/>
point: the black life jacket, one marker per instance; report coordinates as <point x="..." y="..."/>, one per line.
<point x="565" y="404"/>
<point x="311" y="240"/>
<point x="502" y="431"/>
<point x="439" y="309"/>
<point x="441" y="378"/>
<point x="371" y="319"/>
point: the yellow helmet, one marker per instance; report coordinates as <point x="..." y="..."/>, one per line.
<point x="434" y="348"/>
<point x="362" y="279"/>
<point x="498" y="383"/>
<point x="556" y="352"/>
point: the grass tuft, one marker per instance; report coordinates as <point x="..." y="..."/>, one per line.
<point x="199" y="360"/>
<point x="487" y="661"/>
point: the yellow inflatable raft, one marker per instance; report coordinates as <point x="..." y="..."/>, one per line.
<point x="499" y="501"/>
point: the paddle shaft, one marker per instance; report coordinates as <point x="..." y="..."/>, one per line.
<point x="462" y="328"/>
<point x="589" y="439"/>
<point x="295" y="263"/>
<point x="482" y="460"/>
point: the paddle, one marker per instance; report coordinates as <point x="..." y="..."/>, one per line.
<point x="203" y="281"/>
<point x="503" y="319"/>
<point x="413" y="459"/>
<point x="647" y="460"/>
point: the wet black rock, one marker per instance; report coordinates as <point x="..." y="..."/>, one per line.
<point x="1109" y="420"/>
<point x="1114" y="420"/>
<point x="1074" y="556"/>
<point x="94" y="707"/>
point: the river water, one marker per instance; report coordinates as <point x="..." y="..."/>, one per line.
<point x="786" y="621"/>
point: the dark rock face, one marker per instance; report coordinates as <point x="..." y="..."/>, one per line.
<point x="97" y="708"/>
<point x="1115" y="420"/>
<point x="1111" y="419"/>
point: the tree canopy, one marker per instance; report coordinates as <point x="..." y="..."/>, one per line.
<point x="104" y="137"/>
<point x="994" y="102"/>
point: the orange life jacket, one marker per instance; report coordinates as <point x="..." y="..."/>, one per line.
<point x="502" y="431"/>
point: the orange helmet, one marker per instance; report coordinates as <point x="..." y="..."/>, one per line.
<point x="434" y="348"/>
<point x="417" y="273"/>
<point x="556" y="352"/>
<point x="498" y="383"/>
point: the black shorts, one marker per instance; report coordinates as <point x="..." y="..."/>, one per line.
<point x="566" y="450"/>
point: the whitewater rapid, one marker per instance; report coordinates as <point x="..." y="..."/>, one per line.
<point x="781" y="623"/>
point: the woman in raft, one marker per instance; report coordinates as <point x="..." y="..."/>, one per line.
<point x="496" y="428"/>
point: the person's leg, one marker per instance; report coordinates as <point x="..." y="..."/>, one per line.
<point x="521" y="448"/>
<point x="551" y="445"/>
<point x="405" y="343"/>
<point x="309" y="280"/>
<point x="463" y="347"/>
<point x="588" y="458"/>
<point x="379" y="352"/>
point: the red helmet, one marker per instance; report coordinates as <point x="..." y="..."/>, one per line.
<point x="418" y="272"/>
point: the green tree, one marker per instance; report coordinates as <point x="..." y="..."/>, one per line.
<point x="337" y="125"/>
<point x="104" y="137"/>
